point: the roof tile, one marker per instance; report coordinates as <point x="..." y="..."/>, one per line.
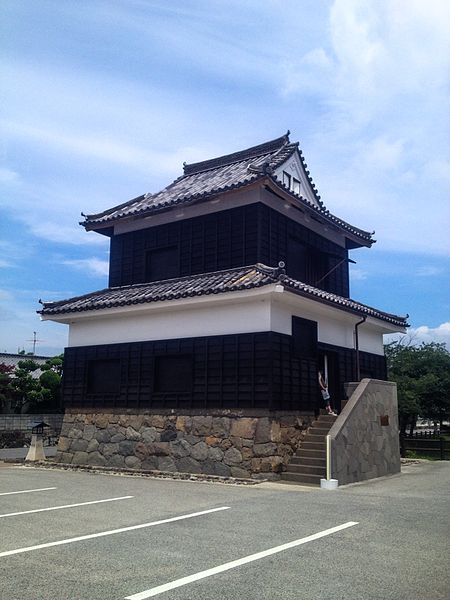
<point x="218" y="282"/>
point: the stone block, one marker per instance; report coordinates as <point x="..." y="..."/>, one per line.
<point x="168" y="435"/>
<point x="126" y="448"/>
<point x="221" y="469"/>
<point x="116" y="461"/>
<point x="240" y="473"/>
<point x="132" y="462"/>
<point x="101" y="421"/>
<point x="113" y="418"/>
<point x="225" y="444"/>
<point x="166" y="463"/>
<point x="117" y="437"/>
<point x="247" y="453"/>
<point x="141" y="451"/>
<point x="200" y="451"/>
<point x="211" y="440"/>
<point x="263" y="431"/>
<point x="75" y="433"/>
<point x="64" y="444"/>
<point x="208" y="467"/>
<point x="159" y="448"/>
<point x="136" y="421"/>
<point x="79" y="445"/>
<point x="232" y="457"/>
<point x="215" y="454"/>
<point x="92" y="446"/>
<point x="201" y="425"/>
<point x="80" y="458"/>
<point x="109" y="449"/>
<point x="89" y="432"/>
<point x="221" y="426"/>
<point x="150" y="463"/>
<point x="65" y="457"/>
<point x="265" y="449"/>
<point x="237" y="442"/>
<point x="187" y="464"/>
<point x="183" y="423"/>
<point x="180" y="448"/>
<point x="97" y="459"/>
<point x="132" y="434"/>
<point x="158" y="421"/>
<point x="149" y="434"/>
<point x="244" y="427"/>
<point x="102" y="436"/>
<point x="124" y="420"/>
<point x="271" y="464"/>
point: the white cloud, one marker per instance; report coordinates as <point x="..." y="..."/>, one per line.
<point x="94" y="267"/>
<point x="423" y="334"/>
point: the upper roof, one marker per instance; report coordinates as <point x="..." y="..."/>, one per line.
<point x="204" y="180"/>
<point x="218" y="282"/>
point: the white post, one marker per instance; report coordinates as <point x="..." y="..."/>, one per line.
<point x="328" y="483"/>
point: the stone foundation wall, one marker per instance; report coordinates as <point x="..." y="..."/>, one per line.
<point x="224" y="443"/>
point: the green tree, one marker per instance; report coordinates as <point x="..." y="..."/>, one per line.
<point x="38" y="393"/>
<point x="422" y="374"/>
<point x="6" y="389"/>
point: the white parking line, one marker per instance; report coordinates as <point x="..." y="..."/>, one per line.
<point x="111" y="532"/>
<point x="27" y="491"/>
<point x="236" y="563"/>
<point x="36" y="510"/>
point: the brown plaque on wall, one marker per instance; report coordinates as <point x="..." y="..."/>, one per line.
<point x="384" y="420"/>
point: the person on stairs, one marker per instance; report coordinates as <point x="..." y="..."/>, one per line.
<point x="326" y="395"/>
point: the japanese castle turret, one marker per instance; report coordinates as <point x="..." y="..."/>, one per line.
<point x="228" y="292"/>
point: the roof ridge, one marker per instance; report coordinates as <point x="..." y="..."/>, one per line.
<point x="227" y="159"/>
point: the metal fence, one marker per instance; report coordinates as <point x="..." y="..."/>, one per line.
<point x="428" y="446"/>
<point x="12" y="422"/>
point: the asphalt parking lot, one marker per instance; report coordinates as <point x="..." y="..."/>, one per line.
<point x="75" y="535"/>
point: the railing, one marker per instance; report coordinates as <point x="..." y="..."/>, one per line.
<point x="427" y="446"/>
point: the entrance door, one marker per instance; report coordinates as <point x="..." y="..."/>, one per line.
<point x="328" y="365"/>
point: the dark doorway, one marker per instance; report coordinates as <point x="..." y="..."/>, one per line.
<point x="328" y="365"/>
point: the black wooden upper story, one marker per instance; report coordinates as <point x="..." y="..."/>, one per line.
<point x="236" y="237"/>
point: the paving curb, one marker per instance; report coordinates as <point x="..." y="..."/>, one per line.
<point x="200" y="477"/>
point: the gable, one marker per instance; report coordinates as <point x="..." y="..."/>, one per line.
<point x="293" y="175"/>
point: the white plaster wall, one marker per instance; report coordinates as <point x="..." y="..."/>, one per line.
<point x="334" y="326"/>
<point x="243" y="317"/>
<point x="294" y="167"/>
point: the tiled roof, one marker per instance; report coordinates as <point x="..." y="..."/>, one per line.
<point x="209" y="178"/>
<point x="204" y="179"/>
<point x="230" y="280"/>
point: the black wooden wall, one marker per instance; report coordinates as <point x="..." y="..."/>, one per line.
<point x="231" y="238"/>
<point x="259" y="370"/>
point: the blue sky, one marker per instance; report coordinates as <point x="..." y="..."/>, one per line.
<point x="104" y="100"/>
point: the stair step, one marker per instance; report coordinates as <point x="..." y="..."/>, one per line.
<point x="327" y="419"/>
<point x="311" y="453"/>
<point x="319" y="430"/>
<point x="307" y="469"/>
<point x="301" y="478"/>
<point x="314" y="445"/>
<point x="308" y="460"/>
<point x="312" y="436"/>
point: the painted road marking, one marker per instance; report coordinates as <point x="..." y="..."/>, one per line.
<point x="27" y="491"/>
<point x="112" y="532"/>
<point x="236" y="563"/>
<point x="36" y="510"/>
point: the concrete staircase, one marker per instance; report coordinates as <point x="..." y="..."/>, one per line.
<point x="308" y="464"/>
